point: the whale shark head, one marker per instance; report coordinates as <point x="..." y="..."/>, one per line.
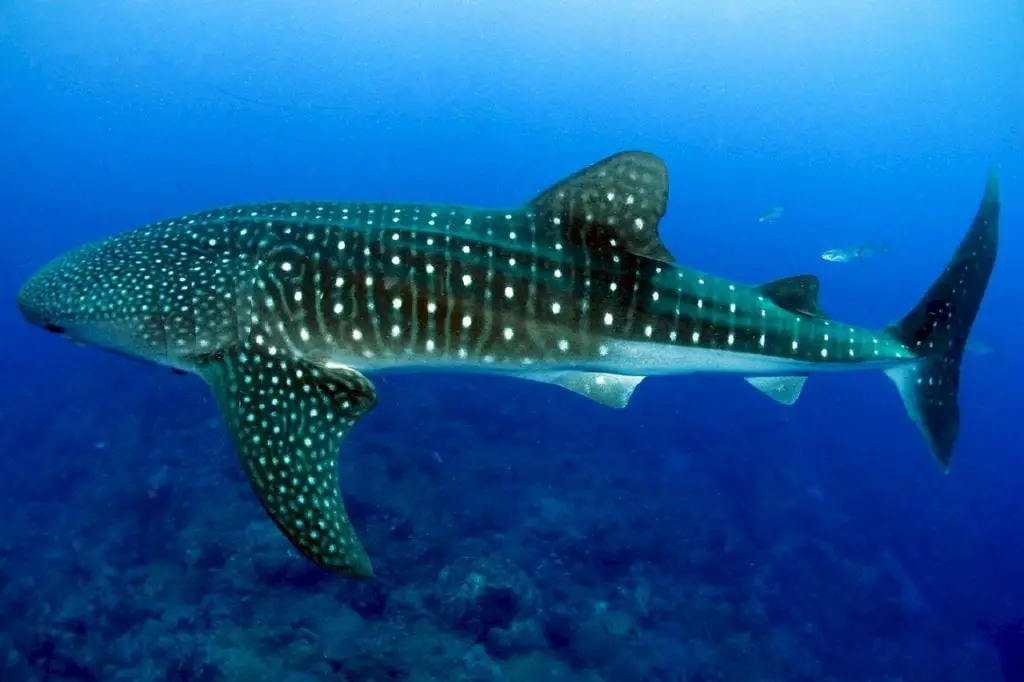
<point x="156" y="294"/>
<point x="72" y="296"/>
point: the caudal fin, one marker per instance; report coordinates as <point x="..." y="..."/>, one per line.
<point x="936" y="331"/>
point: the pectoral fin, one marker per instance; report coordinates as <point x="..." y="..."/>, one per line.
<point x="287" y="418"/>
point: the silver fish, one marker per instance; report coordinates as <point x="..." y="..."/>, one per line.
<point x="855" y="253"/>
<point x="771" y="215"/>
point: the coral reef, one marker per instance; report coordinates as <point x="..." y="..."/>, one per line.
<point x="134" y="550"/>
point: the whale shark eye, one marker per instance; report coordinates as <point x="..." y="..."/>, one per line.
<point x="50" y="327"/>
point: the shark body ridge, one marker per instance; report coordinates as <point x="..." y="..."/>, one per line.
<point x="282" y="308"/>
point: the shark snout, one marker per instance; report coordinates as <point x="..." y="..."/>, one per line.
<point x="36" y="300"/>
<point x="29" y="308"/>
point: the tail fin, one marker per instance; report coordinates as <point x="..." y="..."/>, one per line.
<point x="936" y="331"/>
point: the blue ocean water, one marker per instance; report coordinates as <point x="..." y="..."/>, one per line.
<point x="520" y="532"/>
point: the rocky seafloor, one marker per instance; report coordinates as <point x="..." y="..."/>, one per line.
<point x="533" y="539"/>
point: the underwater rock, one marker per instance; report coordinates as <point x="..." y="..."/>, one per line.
<point x="13" y="665"/>
<point x="273" y="563"/>
<point x="336" y="629"/>
<point x="558" y="626"/>
<point x="48" y="651"/>
<point x="16" y="600"/>
<point x="368" y="599"/>
<point x="602" y="635"/>
<point x="289" y="570"/>
<point x="522" y="636"/>
<point x="477" y="594"/>
<point x="1008" y="639"/>
<point x="478" y="667"/>
<point x="192" y="671"/>
<point x="212" y="556"/>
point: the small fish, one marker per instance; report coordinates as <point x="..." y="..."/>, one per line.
<point x="862" y="252"/>
<point x="284" y="308"/>
<point x="979" y="348"/>
<point x="771" y="215"/>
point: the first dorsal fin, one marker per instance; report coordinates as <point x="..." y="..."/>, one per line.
<point x="797" y="294"/>
<point x="615" y="204"/>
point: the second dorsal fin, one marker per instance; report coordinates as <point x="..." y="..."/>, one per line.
<point x="614" y="204"/>
<point x="797" y="294"/>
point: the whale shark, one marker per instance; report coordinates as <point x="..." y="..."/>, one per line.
<point x="285" y="308"/>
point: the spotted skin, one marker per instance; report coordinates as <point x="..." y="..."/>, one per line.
<point x="282" y="307"/>
<point x="938" y="327"/>
<point x="287" y="419"/>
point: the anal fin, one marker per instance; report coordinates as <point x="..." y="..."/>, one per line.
<point x="785" y="390"/>
<point x="610" y="390"/>
<point x="287" y="418"/>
